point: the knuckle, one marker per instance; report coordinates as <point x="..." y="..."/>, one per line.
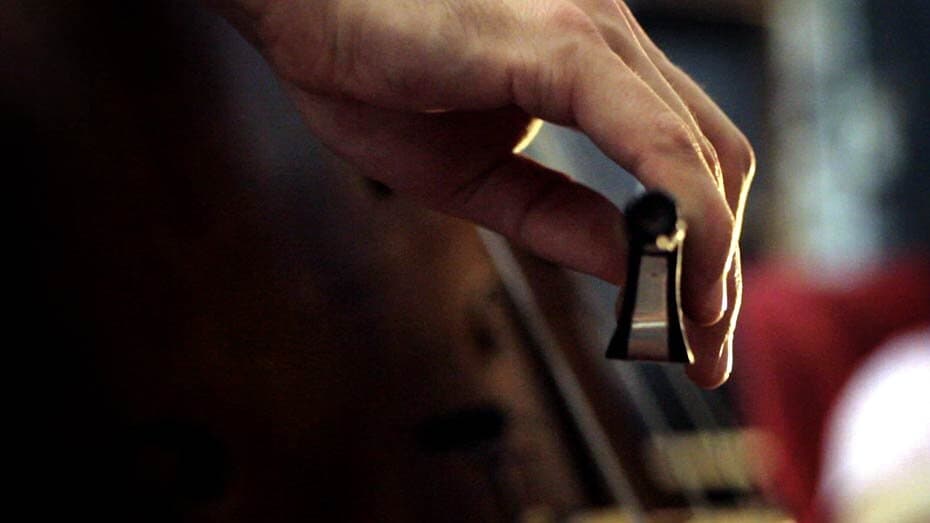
<point x="305" y="58"/>
<point x="673" y="135"/>
<point x="565" y="18"/>
<point x="671" y="138"/>
<point x="546" y="70"/>
<point x="542" y="80"/>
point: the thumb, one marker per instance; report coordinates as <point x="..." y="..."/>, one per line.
<point x="463" y="164"/>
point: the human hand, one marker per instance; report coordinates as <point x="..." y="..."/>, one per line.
<point x="432" y="98"/>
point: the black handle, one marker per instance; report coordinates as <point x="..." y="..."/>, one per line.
<point x="650" y="326"/>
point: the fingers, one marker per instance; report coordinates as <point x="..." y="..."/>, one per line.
<point x="623" y="40"/>
<point x="392" y="96"/>
<point x="714" y="361"/>
<point x="399" y="54"/>
<point x="548" y="213"/>
<point x="683" y="96"/>
<point x="737" y="159"/>
<point x="623" y="115"/>
<point x="737" y="168"/>
<point x="539" y="208"/>
<point x="616" y="24"/>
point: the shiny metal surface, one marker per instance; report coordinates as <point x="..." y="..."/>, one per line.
<point x="649" y="329"/>
<point x="649" y="325"/>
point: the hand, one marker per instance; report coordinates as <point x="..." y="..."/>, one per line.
<point x="432" y="98"/>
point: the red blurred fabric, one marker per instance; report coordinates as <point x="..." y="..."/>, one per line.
<point x="799" y="343"/>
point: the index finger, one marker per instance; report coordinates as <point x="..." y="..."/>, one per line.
<point x="738" y="161"/>
<point x="625" y="118"/>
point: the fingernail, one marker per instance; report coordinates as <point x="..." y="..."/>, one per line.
<point x="713" y="370"/>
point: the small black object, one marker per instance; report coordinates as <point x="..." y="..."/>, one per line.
<point x="650" y="326"/>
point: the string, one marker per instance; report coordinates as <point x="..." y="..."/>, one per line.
<point x="564" y="150"/>
<point x="579" y="407"/>
<point x="630" y="378"/>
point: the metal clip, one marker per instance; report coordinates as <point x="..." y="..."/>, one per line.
<point x="650" y="326"/>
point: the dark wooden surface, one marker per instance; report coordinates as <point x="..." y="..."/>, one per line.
<point x="210" y="336"/>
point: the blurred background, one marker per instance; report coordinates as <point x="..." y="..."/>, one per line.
<point x="217" y="320"/>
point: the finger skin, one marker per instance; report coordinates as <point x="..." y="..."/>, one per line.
<point x="557" y="67"/>
<point x="623" y="40"/>
<point x="737" y="157"/>
<point x="738" y="166"/>
<point x="539" y="208"/>
<point x="712" y="366"/>
<point x="639" y="132"/>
